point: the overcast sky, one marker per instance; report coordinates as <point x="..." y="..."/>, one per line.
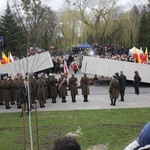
<point x="56" y="4"/>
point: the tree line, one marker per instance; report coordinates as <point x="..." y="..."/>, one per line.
<point x="31" y="23"/>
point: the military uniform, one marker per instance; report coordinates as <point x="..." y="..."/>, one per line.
<point x="40" y="85"/>
<point x="1" y="100"/>
<point x="52" y="83"/>
<point x="114" y="90"/>
<point x="84" y="82"/>
<point x="6" y="92"/>
<point x="62" y="87"/>
<point x="12" y="91"/>
<point x="73" y="87"/>
<point x="16" y="96"/>
<point x="32" y="81"/>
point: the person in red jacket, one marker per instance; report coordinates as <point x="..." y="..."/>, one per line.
<point x="75" y="67"/>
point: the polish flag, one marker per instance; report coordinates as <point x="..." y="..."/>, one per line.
<point x="10" y="58"/>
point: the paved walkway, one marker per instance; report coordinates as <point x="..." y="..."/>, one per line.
<point x="95" y="102"/>
<point x="98" y="99"/>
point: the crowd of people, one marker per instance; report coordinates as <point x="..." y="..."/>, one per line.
<point x="40" y="88"/>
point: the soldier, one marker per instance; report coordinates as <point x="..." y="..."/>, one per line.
<point x="16" y="96"/>
<point x="1" y="100"/>
<point x="53" y="87"/>
<point x="73" y="87"/>
<point x="114" y="90"/>
<point x="62" y="87"/>
<point x="6" y="86"/>
<point x="12" y="90"/>
<point x="84" y="82"/>
<point x="40" y="84"/>
<point x="32" y="81"/>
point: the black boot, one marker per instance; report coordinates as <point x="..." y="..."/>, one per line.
<point x="7" y="106"/>
<point x="114" y="102"/>
<point x="63" y="99"/>
<point x="85" y="98"/>
<point x="111" y="102"/>
<point x="53" y="100"/>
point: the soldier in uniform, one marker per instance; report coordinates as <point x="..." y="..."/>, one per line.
<point x="114" y="90"/>
<point x="73" y="87"/>
<point x="12" y="90"/>
<point x="6" y="92"/>
<point x="62" y="87"/>
<point x="16" y="96"/>
<point x="40" y="84"/>
<point x="32" y="81"/>
<point x="53" y="87"/>
<point x="84" y="82"/>
<point x="1" y="100"/>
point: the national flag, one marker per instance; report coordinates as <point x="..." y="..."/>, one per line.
<point x="136" y="56"/>
<point x="4" y="58"/>
<point x="146" y="56"/>
<point x="66" y="70"/>
<point x="10" y="58"/>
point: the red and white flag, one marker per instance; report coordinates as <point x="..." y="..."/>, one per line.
<point x="66" y="70"/>
<point x="10" y="58"/>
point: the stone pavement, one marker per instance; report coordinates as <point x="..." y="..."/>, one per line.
<point x="98" y="99"/>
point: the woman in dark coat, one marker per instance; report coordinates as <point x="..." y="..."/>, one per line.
<point x="136" y="82"/>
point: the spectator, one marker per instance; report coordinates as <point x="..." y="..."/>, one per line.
<point x="136" y="82"/>
<point x="66" y="143"/>
<point x="143" y="141"/>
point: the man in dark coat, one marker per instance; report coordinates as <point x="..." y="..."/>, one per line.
<point x="24" y="97"/>
<point x="136" y="82"/>
<point x="122" y="83"/>
<point x="114" y="90"/>
<point x="73" y="87"/>
<point x="84" y="82"/>
<point x="52" y="83"/>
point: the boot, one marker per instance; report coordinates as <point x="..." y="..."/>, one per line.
<point x="63" y="99"/>
<point x="7" y="106"/>
<point x="111" y="102"/>
<point x="53" y="100"/>
<point x="41" y="104"/>
<point x="114" y="102"/>
<point x="85" y="98"/>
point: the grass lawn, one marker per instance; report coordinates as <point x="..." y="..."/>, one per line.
<point x="113" y="128"/>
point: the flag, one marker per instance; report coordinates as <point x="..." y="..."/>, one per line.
<point x="146" y="56"/>
<point x="10" y="58"/>
<point x="136" y="56"/>
<point x="0" y="63"/>
<point x="4" y="58"/>
<point x="66" y="70"/>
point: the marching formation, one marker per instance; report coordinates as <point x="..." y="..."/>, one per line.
<point x="39" y="88"/>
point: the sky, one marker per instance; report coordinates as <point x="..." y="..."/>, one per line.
<point x="56" y="4"/>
